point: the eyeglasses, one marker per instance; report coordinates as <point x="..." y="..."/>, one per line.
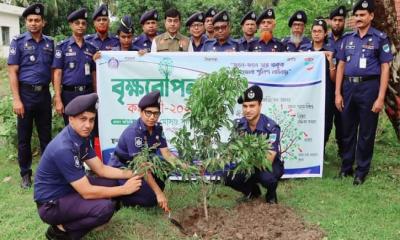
<point x="197" y="25"/>
<point x="101" y="19"/>
<point x="77" y="23"/>
<point x="148" y="113"/>
<point x="220" y="28"/>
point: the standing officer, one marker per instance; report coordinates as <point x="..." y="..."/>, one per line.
<point x="222" y="41"/>
<point x="297" y="24"/>
<point x="68" y="200"/>
<point x="29" y="71"/>
<point x="172" y="40"/>
<point x="249" y="28"/>
<point x="102" y="39"/>
<point x="146" y="131"/>
<point x="149" y="25"/>
<point x="208" y="22"/>
<point x="266" y="43"/>
<point x="361" y="83"/>
<point x="254" y="122"/>
<point x="125" y="34"/>
<point x="195" y="23"/>
<point x="74" y="68"/>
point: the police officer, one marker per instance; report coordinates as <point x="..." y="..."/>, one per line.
<point x="266" y="43"/>
<point x="249" y="28"/>
<point x="254" y="122"/>
<point x="148" y="20"/>
<point x="208" y="22"/>
<point x="172" y="40"/>
<point x="222" y="41"/>
<point x="297" y="24"/>
<point x="319" y="33"/>
<point x="102" y="39"/>
<point x="195" y="23"/>
<point x="29" y="71"/>
<point x="335" y="37"/>
<point x="146" y="131"/>
<point x="125" y="34"/>
<point x="74" y="68"/>
<point x="361" y="83"/>
<point x="68" y="200"/>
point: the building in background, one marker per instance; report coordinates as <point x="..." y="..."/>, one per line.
<point x="9" y="26"/>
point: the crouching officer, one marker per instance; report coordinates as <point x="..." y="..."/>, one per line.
<point x="68" y="200"/>
<point x="146" y="131"/>
<point x="254" y="122"/>
<point x="29" y="70"/>
<point x="361" y="83"/>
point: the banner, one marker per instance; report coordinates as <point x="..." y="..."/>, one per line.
<point x="293" y="86"/>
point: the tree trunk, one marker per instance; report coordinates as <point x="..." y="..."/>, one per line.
<point x="386" y="21"/>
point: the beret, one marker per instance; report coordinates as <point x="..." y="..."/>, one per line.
<point x="364" y="5"/>
<point x="266" y="14"/>
<point x="149" y="15"/>
<point x="81" y="104"/>
<point x="77" y="14"/>
<point x="101" y="11"/>
<point x="210" y="12"/>
<point x="126" y="24"/>
<point x="36" y="9"/>
<point x="152" y="99"/>
<point x="340" y="11"/>
<point x="253" y="93"/>
<point x="249" y="16"/>
<point x="221" y="17"/>
<point x="196" y="17"/>
<point x="298" y="16"/>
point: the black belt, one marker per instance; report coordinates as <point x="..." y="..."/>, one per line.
<point x="78" y="88"/>
<point x="33" y="87"/>
<point x="361" y="79"/>
<point x="39" y="204"/>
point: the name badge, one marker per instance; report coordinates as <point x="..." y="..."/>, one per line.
<point x="363" y="63"/>
<point x="87" y="69"/>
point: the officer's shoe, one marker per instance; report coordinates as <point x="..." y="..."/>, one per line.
<point x="343" y="175"/>
<point x="271" y="197"/>
<point x="358" y="180"/>
<point x="26" y="181"/>
<point x="255" y="193"/>
<point x="53" y="233"/>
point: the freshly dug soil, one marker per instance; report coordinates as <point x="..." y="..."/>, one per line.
<point x="250" y="220"/>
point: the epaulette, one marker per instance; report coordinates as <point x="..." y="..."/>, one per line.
<point x="62" y="42"/>
<point x="379" y="33"/>
<point x="17" y="37"/>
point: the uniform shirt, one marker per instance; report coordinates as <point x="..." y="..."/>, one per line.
<point x="76" y="63"/>
<point x="374" y="48"/>
<point x="34" y="59"/>
<point x="274" y="45"/>
<point x="335" y="46"/>
<point x="203" y="39"/>
<point x="212" y="45"/>
<point x="142" y="42"/>
<point x="308" y="47"/>
<point x="61" y="164"/>
<point x="244" y="44"/>
<point x="133" y="139"/>
<point x="166" y="43"/>
<point x="265" y="126"/>
<point x="291" y="47"/>
<point x="110" y="43"/>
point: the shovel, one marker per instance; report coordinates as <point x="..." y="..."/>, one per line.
<point x="175" y="222"/>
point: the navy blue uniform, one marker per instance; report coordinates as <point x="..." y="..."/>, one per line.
<point x="265" y="126"/>
<point x="142" y="42"/>
<point x="212" y="45"/>
<point x="34" y="74"/>
<point x="244" y="44"/>
<point x="77" y="66"/>
<point x="363" y="58"/>
<point x="274" y="45"/>
<point x="58" y="202"/>
<point x="203" y="39"/>
<point x="131" y="142"/>
<point x="110" y="43"/>
<point x="291" y="47"/>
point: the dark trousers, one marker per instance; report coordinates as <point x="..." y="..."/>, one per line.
<point x="68" y="96"/>
<point x="77" y="215"/>
<point x="37" y="106"/>
<point x="359" y="125"/>
<point x="332" y="116"/>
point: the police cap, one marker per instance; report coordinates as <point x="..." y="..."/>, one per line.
<point x="196" y="17"/>
<point x="102" y="11"/>
<point x="82" y="103"/>
<point x="221" y="17"/>
<point x="126" y="24"/>
<point x="152" y="99"/>
<point x="300" y="16"/>
<point x="36" y="9"/>
<point x="253" y="93"/>
<point x="149" y="15"/>
<point x="338" y="12"/>
<point x="320" y="22"/>
<point x="77" y="14"/>
<point x="210" y="12"/>
<point x="249" y="16"/>
<point x="364" y="5"/>
<point x="266" y="14"/>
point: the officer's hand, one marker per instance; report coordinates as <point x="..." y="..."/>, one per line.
<point x="378" y="105"/>
<point x="132" y="185"/>
<point x="142" y="52"/>
<point x="59" y="106"/>
<point x="339" y="102"/>
<point x="96" y="56"/>
<point x="329" y="55"/>
<point x="162" y="201"/>
<point x="18" y="108"/>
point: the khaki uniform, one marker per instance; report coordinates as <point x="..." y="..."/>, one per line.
<point x="165" y="43"/>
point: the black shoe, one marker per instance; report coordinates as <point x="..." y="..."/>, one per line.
<point x="358" y="180"/>
<point x="255" y="193"/>
<point x="53" y="233"/>
<point x="344" y="175"/>
<point x="26" y="181"/>
<point x="271" y="197"/>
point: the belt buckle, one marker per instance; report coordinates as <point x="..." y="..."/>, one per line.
<point x="37" y="88"/>
<point x="79" y="88"/>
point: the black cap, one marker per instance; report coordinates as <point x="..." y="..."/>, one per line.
<point x="222" y="16"/>
<point x="125" y="24"/>
<point x="152" y="99"/>
<point x="196" y="17"/>
<point x="266" y="14"/>
<point x="149" y="15"/>
<point x="253" y="93"/>
<point x="340" y="11"/>
<point x="77" y="14"/>
<point x="102" y="11"/>
<point x="300" y="16"/>
<point x="36" y="9"/>
<point x="210" y="12"/>
<point x="249" y="16"/>
<point x="82" y="103"/>
<point x="364" y="5"/>
<point x="320" y="22"/>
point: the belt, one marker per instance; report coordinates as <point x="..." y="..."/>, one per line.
<point x="361" y="79"/>
<point x="78" y="88"/>
<point x="33" y="87"/>
<point x="39" y="204"/>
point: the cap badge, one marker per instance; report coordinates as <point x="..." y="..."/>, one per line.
<point x="225" y="17"/>
<point x="364" y="4"/>
<point x="269" y="13"/>
<point x="103" y="12"/>
<point x="299" y="16"/>
<point x="155" y="15"/>
<point x="200" y="17"/>
<point x="320" y="22"/>
<point x="253" y="15"/>
<point x="85" y="14"/>
<point x="251" y="94"/>
<point x="213" y="12"/>
<point x="341" y="11"/>
<point x="37" y="10"/>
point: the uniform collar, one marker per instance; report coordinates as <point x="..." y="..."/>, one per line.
<point x="78" y="140"/>
<point x="273" y="40"/>
<point x="243" y="39"/>
<point x="202" y="38"/>
<point x="96" y="36"/>
<point x="227" y="42"/>
<point x="370" y="31"/>
<point x="71" y="41"/>
<point x="28" y="36"/>
<point x="260" y="124"/>
<point x="142" y="127"/>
